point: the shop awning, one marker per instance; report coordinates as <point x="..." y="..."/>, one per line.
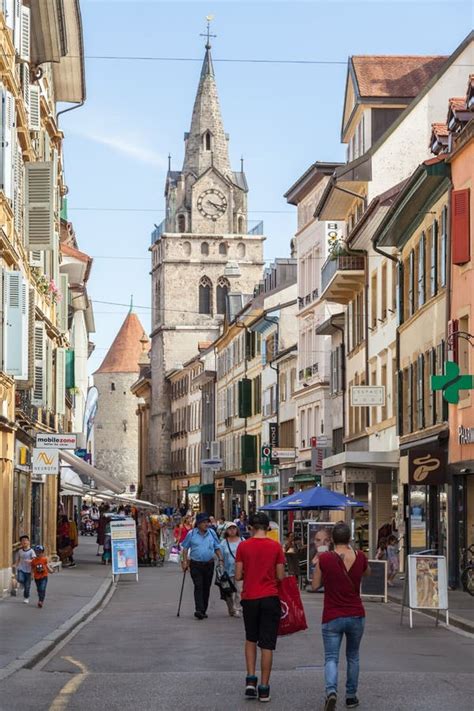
<point x="201" y="489"/>
<point x="71" y="483"/>
<point x="101" y="478"/>
<point x="304" y="477"/>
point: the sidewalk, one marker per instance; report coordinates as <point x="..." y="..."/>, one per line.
<point x="24" y="626"/>
<point x="461" y="607"/>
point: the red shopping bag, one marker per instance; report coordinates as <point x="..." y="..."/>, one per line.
<point x="293" y="618"/>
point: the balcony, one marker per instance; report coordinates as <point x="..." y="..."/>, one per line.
<point x="341" y="277"/>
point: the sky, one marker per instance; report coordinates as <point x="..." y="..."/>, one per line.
<point x="280" y="117"/>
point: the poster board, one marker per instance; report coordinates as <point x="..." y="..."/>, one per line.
<point x="375" y="584"/>
<point x="428" y="582"/>
<point x="123" y="538"/>
<point x="319" y="534"/>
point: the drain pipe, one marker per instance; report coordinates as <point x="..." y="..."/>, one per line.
<point x="71" y="108"/>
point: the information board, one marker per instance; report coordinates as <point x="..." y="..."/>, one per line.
<point x="123" y="538"/>
<point x="428" y="582"/>
<point x="375" y="584"/>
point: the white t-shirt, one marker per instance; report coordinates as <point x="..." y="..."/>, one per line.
<point x="24" y="559"/>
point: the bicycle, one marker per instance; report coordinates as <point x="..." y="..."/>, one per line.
<point x="467" y="572"/>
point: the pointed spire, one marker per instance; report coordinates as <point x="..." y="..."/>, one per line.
<point x="206" y="142"/>
<point x="123" y="354"/>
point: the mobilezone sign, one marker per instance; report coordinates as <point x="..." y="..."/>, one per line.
<point x="56" y="441"/>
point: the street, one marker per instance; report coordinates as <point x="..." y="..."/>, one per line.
<point x="137" y="653"/>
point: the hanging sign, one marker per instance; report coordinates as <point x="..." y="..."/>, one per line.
<point x="427" y="466"/>
<point x="44" y="461"/>
<point x="123" y="537"/>
<point x="367" y="395"/>
<point x="56" y="441"/>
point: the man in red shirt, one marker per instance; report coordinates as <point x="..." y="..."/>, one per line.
<point x="260" y="563"/>
<point x="341" y="571"/>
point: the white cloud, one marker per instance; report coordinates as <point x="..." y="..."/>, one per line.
<point x="129" y="147"/>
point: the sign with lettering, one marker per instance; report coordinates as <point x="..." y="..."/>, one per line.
<point x="465" y="435"/>
<point x="427" y="466"/>
<point x="273" y="430"/>
<point x="44" y="461"/>
<point x="56" y="441"/>
<point x="367" y="395"/>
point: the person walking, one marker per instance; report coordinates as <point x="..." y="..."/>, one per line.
<point x="393" y="559"/>
<point x="341" y="571"/>
<point x="260" y="563"/>
<point x="242" y="524"/>
<point x="40" y="568"/>
<point x="200" y="547"/>
<point x="181" y="531"/>
<point x="23" y="566"/>
<point x="230" y="543"/>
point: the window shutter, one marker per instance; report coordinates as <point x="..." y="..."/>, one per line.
<point x="25" y="84"/>
<point x="461" y="247"/>
<point x="434" y="259"/>
<point x="249" y="453"/>
<point x="245" y="397"/>
<point x="17" y="22"/>
<point x="7" y="155"/>
<point x="60" y="407"/>
<point x="70" y="369"/>
<point x="400" y="288"/>
<point x="39" y="206"/>
<point x="55" y="258"/>
<point x="421" y="270"/>
<point x="8" y="11"/>
<point x="50" y="385"/>
<point x="432" y="357"/>
<point x="444" y="246"/>
<point x="39" y="387"/>
<point x="453" y="328"/>
<point x="410" y="398"/>
<point x="18" y="194"/>
<point x="16" y="325"/>
<point x="25" y="30"/>
<point x="420" y="391"/>
<point x="63" y="304"/>
<point x="411" y="284"/>
<point x="400" y="403"/>
<point x="35" y="111"/>
<point x="37" y="258"/>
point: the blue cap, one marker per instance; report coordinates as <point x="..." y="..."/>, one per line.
<point x="39" y="549"/>
<point x="201" y="517"/>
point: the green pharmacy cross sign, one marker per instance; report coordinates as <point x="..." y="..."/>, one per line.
<point x="452" y="382"/>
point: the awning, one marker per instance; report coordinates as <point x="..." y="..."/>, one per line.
<point x="120" y="498"/>
<point x="303" y="477"/>
<point x="70" y="478"/>
<point x="200" y="489"/>
<point x="384" y="459"/>
<point x="101" y="478"/>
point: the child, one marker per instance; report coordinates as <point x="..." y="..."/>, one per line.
<point x="393" y="559"/>
<point x="23" y="566"/>
<point x="40" y="568"/>
<point x="381" y="553"/>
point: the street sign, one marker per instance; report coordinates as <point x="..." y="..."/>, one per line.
<point x="56" y="441"/>
<point x="213" y="462"/>
<point x="266" y="451"/>
<point x="320" y="442"/>
<point x="284" y="453"/>
<point x="44" y="461"/>
<point x="367" y="395"/>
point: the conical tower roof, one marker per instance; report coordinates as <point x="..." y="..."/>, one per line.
<point x="200" y="154"/>
<point x="124" y="353"/>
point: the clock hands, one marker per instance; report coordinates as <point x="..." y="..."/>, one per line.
<point x="221" y="208"/>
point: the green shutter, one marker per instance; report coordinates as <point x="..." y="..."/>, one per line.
<point x="249" y="453"/>
<point x="70" y="379"/>
<point x="245" y="398"/>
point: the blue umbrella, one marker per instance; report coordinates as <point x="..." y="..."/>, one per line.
<point x="316" y="498"/>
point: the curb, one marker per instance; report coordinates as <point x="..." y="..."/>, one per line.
<point x="454" y="621"/>
<point x="48" y="643"/>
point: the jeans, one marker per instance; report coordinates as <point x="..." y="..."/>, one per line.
<point x="41" y="584"/>
<point x="202" y="574"/>
<point x="333" y="632"/>
<point x="25" y="580"/>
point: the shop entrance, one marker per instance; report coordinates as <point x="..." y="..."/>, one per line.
<point x="36" y="513"/>
<point x="427" y="522"/>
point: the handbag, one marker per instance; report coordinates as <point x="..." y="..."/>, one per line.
<point x="224" y="583"/>
<point x="293" y="618"/>
<point x="175" y="554"/>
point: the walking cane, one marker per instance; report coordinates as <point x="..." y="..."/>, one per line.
<point x="181" y="595"/>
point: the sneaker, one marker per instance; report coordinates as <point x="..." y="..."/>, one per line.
<point x="263" y="693"/>
<point x="331" y="701"/>
<point x="26" y="600"/>
<point x="199" y="615"/>
<point x="40" y="604"/>
<point x="251" y="687"/>
<point x="352" y="702"/>
<point x="72" y="565"/>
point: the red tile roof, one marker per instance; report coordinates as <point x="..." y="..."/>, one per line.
<point x="127" y="348"/>
<point x="457" y="103"/>
<point x="394" y="76"/>
<point x="440" y="129"/>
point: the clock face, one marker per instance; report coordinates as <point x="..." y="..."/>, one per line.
<point x="212" y="204"/>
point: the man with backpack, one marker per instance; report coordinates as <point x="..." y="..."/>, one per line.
<point x="200" y="547"/>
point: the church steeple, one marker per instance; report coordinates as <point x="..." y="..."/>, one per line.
<point x="206" y="142"/>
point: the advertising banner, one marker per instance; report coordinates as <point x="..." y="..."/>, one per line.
<point x="428" y="582"/>
<point x="123" y="535"/>
<point x="319" y="541"/>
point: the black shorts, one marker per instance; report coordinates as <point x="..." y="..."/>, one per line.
<point x="261" y="619"/>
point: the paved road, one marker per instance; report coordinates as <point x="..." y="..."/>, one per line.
<point x="137" y="654"/>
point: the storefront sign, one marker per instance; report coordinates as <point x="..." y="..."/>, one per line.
<point x="271" y="479"/>
<point x="45" y="461"/>
<point x="465" y="435"/>
<point x="284" y="453"/>
<point x="56" y="441"/>
<point x="367" y="395"/>
<point x="427" y="466"/>
<point x="273" y="431"/>
<point x="123" y="535"/>
<point x="452" y="382"/>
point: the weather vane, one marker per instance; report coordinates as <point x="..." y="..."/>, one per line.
<point x="208" y="34"/>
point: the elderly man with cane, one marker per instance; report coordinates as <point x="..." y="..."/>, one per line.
<point x="199" y="548"/>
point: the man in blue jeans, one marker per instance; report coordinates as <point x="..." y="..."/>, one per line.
<point x="341" y="571"/>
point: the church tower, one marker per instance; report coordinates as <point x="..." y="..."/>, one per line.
<point x="200" y="253"/>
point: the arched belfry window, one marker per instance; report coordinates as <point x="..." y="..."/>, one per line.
<point x="240" y="225"/>
<point x="181" y="223"/>
<point x="205" y="295"/>
<point x="223" y="287"/>
<point x="223" y="248"/>
<point x="204" y="249"/>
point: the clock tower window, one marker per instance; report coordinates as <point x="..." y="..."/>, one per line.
<point x="205" y="249"/>
<point x="223" y="249"/>
<point x="207" y="141"/>
<point x="222" y="290"/>
<point x="205" y="296"/>
<point x="181" y="223"/>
